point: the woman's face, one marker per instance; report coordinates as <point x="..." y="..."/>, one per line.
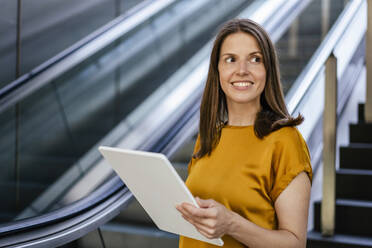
<point x="241" y="69"/>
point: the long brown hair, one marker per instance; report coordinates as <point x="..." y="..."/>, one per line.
<point x="213" y="110"/>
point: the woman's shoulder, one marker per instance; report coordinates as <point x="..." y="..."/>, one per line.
<point x="288" y="134"/>
<point x="287" y="131"/>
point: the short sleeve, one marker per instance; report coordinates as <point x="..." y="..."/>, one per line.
<point x="290" y="158"/>
<point x="192" y="161"/>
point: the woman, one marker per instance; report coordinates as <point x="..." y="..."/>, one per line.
<point x="250" y="170"/>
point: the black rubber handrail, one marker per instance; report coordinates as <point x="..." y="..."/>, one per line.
<point x="101" y="194"/>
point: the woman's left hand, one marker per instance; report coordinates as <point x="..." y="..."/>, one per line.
<point x="212" y="219"/>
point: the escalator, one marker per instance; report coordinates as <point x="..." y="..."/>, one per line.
<point x="53" y="115"/>
<point x="171" y="109"/>
<point x="55" y="124"/>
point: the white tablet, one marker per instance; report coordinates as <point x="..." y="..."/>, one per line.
<point x="157" y="187"/>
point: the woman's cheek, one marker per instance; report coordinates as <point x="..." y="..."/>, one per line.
<point x="226" y="75"/>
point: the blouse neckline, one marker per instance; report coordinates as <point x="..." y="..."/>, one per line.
<point x="237" y="127"/>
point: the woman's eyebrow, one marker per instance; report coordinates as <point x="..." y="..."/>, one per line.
<point x="256" y="52"/>
<point x="235" y="54"/>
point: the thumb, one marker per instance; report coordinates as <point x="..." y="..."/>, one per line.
<point x="204" y="203"/>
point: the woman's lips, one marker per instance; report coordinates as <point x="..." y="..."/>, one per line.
<point x="242" y="85"/>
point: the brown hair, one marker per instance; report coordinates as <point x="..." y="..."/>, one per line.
<point x="213" y="110"/>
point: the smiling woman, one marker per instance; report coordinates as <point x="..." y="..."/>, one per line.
<point x="250" y="170"/>
<point x="242" y="73"/>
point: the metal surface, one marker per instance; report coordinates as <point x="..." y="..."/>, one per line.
<point x="293" y="39"/>
<point x="368" y="104"/>
<point x="326" y="8"/>
<point x="329" y="148"/>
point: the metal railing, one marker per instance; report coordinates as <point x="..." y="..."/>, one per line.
<point x="328" y="208"/>
<point x="330" y="60"/>
<point x="329" y="147"/>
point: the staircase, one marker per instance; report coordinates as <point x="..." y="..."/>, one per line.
<point x="353" y="193"/>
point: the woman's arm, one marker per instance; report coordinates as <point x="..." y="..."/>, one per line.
<point x="213" y="220"/>
<point x="292" y="211"/>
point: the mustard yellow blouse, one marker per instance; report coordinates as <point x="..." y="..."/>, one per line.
<point x="247" y="174"/>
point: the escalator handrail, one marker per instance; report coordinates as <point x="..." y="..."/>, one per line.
<point x="308" y="74"/>
<point x="105" y="191"/>
<point x="43" y="74"/>
<point x="63" y="230"/>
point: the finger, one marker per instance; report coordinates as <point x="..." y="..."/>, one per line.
<point x="206" y="231"/>
<point x="200" y="212"/>
<point x="205" y="203"/>
<point x="207" y="223"/>
<point x="195" y="222"/>
<point x="180" y="208"/>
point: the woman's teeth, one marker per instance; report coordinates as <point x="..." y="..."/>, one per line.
<point x="242" y="84"/>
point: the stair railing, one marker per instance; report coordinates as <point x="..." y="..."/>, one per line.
<point x="329" y="147"/>
<point x="328" y="208"/>
<point x="323" y="75"/>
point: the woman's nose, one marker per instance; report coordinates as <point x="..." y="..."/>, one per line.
<point x="242" y="68"/>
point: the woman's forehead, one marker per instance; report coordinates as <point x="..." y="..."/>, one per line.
<point x="240" y="43"/>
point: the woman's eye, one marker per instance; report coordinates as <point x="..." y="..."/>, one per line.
<point x="230" y="59"/>
<point x="256" y="59"/>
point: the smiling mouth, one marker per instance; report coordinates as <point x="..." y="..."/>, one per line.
<point x="242" y="83"/>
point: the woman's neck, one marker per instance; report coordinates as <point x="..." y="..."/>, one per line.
<point x="242" y="114"/>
